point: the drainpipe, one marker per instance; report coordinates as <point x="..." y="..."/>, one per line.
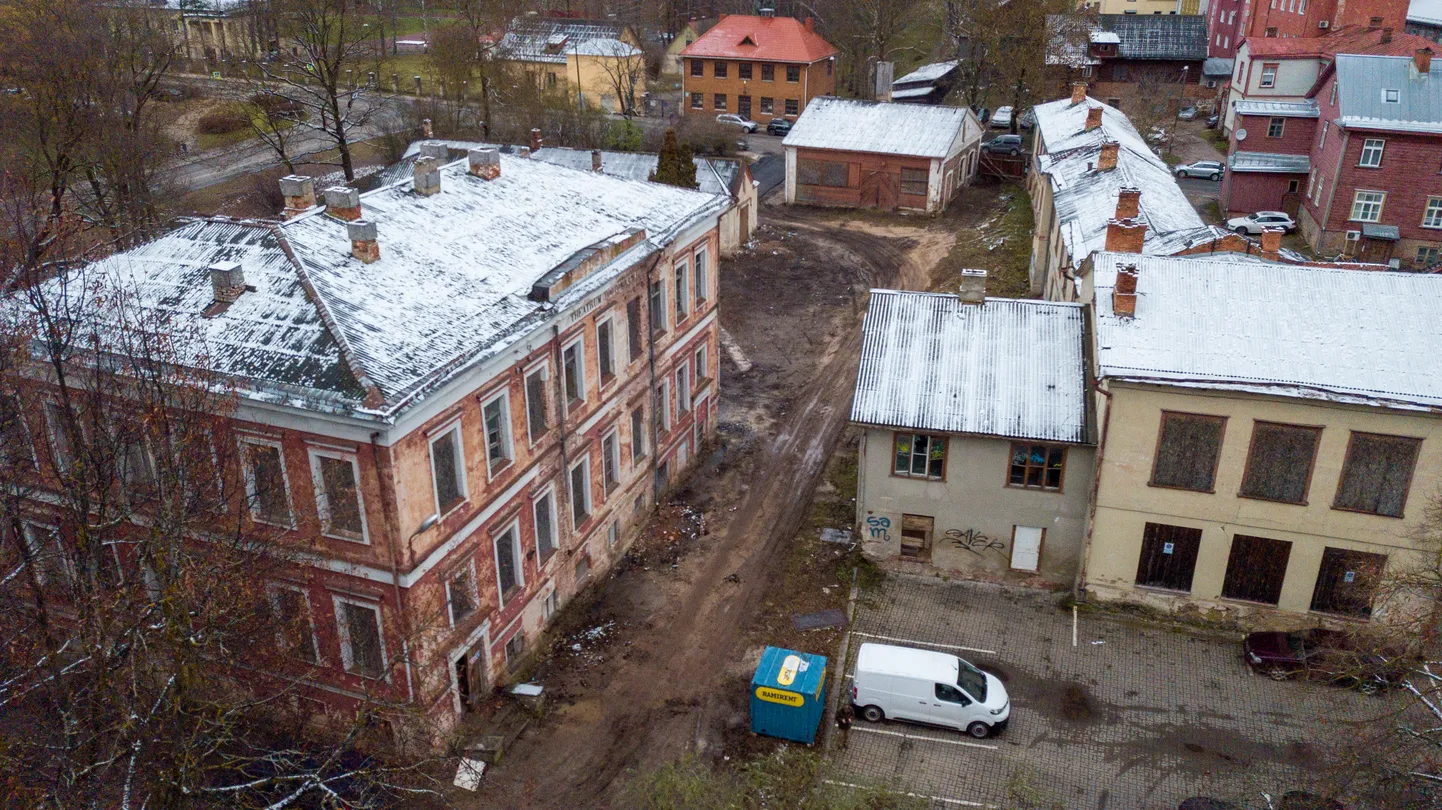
<point x="561" y="417"/>
<point x="401" y="617"/>
<point x="1332" y="194"/>
<point x="651" y="391"/>
<point x="1078" y="583"/>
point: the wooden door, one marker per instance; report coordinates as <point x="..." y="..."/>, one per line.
<point x="1256" y="569"/>
<point x="1169" y="557"/>
<point x="916" y="531"/>
<point x="1026" y="547"/>
<point x="880" y="189"/>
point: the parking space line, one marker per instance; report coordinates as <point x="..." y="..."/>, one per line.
<point x="904" y="735"/>
<point x="942" y="799"/>
<point x="926" y="643"/>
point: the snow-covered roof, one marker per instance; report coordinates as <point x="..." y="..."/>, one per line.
<point x="206" y="6"/>
<point x="1269" y="162"/>
<point x="549" y="39"/>
<point x="1105" y="38"/>
<point x="1068" y="40"/>
<point x="877" y="126"/>
<point x="1085" y="198"/>
<point x="913" y="92"/>
<point x="1425" y="12"/>
<point x="604" y="46"/>
<point x="1279" y="109"/>
<point x="1002" y="368"/>
<point x="713" y="176"/>
<point x="1218" y="66"/>
<point x="927" y="74"/>
<point x="1365" y="82"/>
<point x="451" y="287"/>
<point x="1349" y="335"/>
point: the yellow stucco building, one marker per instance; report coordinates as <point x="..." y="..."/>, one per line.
<point x="1141" y="6"/>
<point x="599" y="63"/>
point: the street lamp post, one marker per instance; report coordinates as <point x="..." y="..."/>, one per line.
<point x="1177" y="120"/>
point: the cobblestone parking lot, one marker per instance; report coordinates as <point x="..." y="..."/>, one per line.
<point x="1135" y="716"/>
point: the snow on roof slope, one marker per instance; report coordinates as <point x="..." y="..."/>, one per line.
<point x="606" y="46"/>
<point x="928" y="73"/>
<point x="1281" y="109"/>
<point x="1362" y="336"/>
<point x="916" y="130"/>
<point x="713" y="176"/>
<point x="549" y="39"/>
<point x="1269" y="162"/>
<point x="1003" y="368"/>
<point x="1362" y="80"/>
<point x="1426" y="12"/>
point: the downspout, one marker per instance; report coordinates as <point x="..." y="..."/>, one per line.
<point x="401" y="618"/>
<point x="1079" y="582"/>
<point x="651" y="391"/>
<point x="561" y="417"/>
<point x="1332" y="193"/>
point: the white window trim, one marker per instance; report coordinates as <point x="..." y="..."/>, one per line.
<point x="35" y="545"/>
<point x="276" y="587"/>
<point x="1428" y="207"/>
<point x="343" y="630"/>
<point x="682" y="300"/>
<point x="645" y="446"/>
<point x="56" y="430"/>
<point x="702" y="358"/>
<point x="543" y="495"/>
<point x="610" y="322"/>
<point x="1351" y="215"/>
<point x="700" y="278"/>
<point x="683" y="398"/>
<point x="614" y="436"/>
<point x="1262" y="80"/>
<point x="1361" y="156"/>
<point x="580" y="345"/>
<point x="542" y="368"/>
<point x="470" y="565"/>
<point x="250" y="491"/>
<point x="664" y="309"/>
<point x="663" y="405"/>
<point x="453" y="426"/>
<point x="508" y="444"/>
<point x="154" y="470"/>
<point x="583" y="461"/>
<point x="322" y="500"/>
<point x="514" y="528"/>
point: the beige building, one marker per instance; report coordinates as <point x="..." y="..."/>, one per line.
<point x="599" y="63"/>
<point x="673" y="63"/>
<point x="1141" y="6"/>
<point x="977" y="453"/>
<point x="215" y="30"/>
<point x="1268" y="439"/>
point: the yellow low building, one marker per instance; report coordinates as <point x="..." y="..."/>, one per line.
<point x="214" y="30"/>
<point x="1141" y="6"/>
<point x="598" y="63"/>
<point x="672" y="63"/>
<point x="1270" y="436"/>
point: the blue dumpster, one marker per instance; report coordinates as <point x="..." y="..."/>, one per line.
<point x="788" y="695"/>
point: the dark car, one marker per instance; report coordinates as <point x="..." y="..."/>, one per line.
<point x="1003" y="145"/>
<point x="778" y="126"/>
<point x="1213" y="120"/>
<point x="1323" y="655"/>
<point x="983" y="114"/>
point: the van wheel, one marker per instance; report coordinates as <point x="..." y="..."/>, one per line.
<point x="873" y="714"/>
<point x="978" y="730"/>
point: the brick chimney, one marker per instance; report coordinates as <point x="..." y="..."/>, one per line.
<point x="363" y="243"/>
<point x="428" y="176"/>
<point x="596" y="160"/>
<point x="535" y="141"/>
<point x="1079" y="93"/>
<point x="1094" y="118"/>
<point x="1124" y="294"/>
<point x="1386" y="35"/>
<point x="299" y="192"/>
<point x="427" y="130"/>
<point x="1422" y="60"/>
<point x="343" y="202"/>
<point x="972" y="289"/>
<point x="1272" y="242"/>
<point x="227" y="282"/>
<point x="1107" y="160"/>
<point x="1129" y="202"/>
<point x="484" y="163"/>
<point x="437" y="150"/>
<point x="1125" y="235"/>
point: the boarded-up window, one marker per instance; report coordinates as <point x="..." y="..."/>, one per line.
<point x="339" y="497"/>
<point x="914" y="181"/>
<point x="1279" y="466"/>
<point x="1169" y="556"/>
<point x="1256" y="569"/>
<point x="920" y="456"/>
<point x="1347" y="581"/>
<point x="1187" y="451"/>
<point x="1377" y="474"/>
<point x="822" y="173"/>
<point x="362" y="651"/>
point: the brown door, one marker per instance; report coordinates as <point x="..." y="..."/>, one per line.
<point x="1169" y="556"/>
<point x="1291" y="202"/>
<point x="916" y="533"/>
<point x="743" y="106"/>
<point x="1256" y="569"/>
<point x="471" y="678"/>
<point x="1347" y="581"/>
<point x="880" y="189"/>
<point x="745" y="223"/>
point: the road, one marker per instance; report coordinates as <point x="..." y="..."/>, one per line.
<point x="769" y="172"/>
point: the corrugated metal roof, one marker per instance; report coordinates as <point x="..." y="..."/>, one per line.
<point x="877" y="126"/>
<point x="549" y="39"/>
<point x="1366" y="83"/>
<point x="1218" y="66"/>
<point x="1426" y="12"/>
<point x="1003" y="368"/>
<point x="1269" y="162"/>
<point x="1280" y="109"/>
<point x="1158" y="36"/>
<point x="1364" y="336"/>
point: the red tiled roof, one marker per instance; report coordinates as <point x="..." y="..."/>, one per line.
<point x="1353" y="39"/>
<point x="766" y="39"/>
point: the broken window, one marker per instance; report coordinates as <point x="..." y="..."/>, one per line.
<point x="1347" y="581"/>
<point x="658" y="306"/>
<point x="448" y="469"/>
<point x="580" y="492"/>
<point x="919" y="455"/>
<point x="1377" y="474"/>
<point x="1187" y="451"/>
<point x="545" y="513"/>
<point x="605" y="351"/>
<point x="703" y="288"/>
<point x="1037" y="466"/>
<point x="508" y="563"/>
<point x="610" y="463"/>
<point x="536" y="404"/>
<point x="1256" y="569"/>
<point x="683" y="389"/>
<point x="822" y="173"/>
<point x="1279" y="465"/>
<point x="266" y="484"/>
<point x="1169" y="556"/>
<point x="638" y="435"/>
<point x="362" y="651"/>
<point x="461" y="593"/>
<point x="573" y="364"/>
<point x="633" y="328"/>
<point x="914" y="181"/>
<point x="681" y="272"/>
<point x="496" y="420"/>
<point x="338" y="497"/>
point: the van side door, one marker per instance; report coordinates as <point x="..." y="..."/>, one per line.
<point x="951" y="707"/>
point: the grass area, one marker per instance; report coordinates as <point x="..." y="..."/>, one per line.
<point x="1171" y="159"/>
<point x="1216" y="138"/>
<point x="1000" y="244"/>
<point x="240" y="134"/>
<point x="1211" y="212"/>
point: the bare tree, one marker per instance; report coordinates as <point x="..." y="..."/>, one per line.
<point x="625" y="69"/>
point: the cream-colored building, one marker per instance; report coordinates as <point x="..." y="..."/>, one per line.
<point x="1269" y="432"/>
<point x="214" y="30"/>
<point x="977" y="453"/>
<point x="672" y="63"/>
<point x="598" y="63"/>
<point x="1141" y="6"/>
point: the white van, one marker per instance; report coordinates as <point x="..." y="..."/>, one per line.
<point x="922" y="686"/>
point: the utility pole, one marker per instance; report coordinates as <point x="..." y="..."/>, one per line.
<point x="1177" y="120"/>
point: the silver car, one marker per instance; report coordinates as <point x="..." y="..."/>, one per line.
<point x="1254" y="223"/>
<point x="1210" y="169"/>
<point x="739" y="120"/>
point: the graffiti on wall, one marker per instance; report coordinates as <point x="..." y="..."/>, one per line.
<point x="975" y="542"/>
<point x="878" y="528"/>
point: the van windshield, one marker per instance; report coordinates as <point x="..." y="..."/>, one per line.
<point x="972" y="681"/>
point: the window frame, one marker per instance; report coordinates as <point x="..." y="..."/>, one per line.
<point x="446" y="431"/>
<point x="343" y="633"/>
<point x="1157" y="451"/>
<point x="495" y="467"/>
<point x="468" y="569"/>
<point x="702" y="360"/>
<point x="683" y="388"/>
<point x="635" y="331"/>
<point x="793" y="70"/>
<point x="768" y="105"/>
<point x="511" y="529"/>
<point x="58" y="435"/>
<point x="1347" y="462"/>
<point x="1356" y="201"/>
<point x="681" y="269"/>
<point x="1374" y="146"/>
<point x="272" y="596"/>
<point x="1061" y="484"/>
<point x="606" y="349"/>
<point x="701" y="277"/>
<point x="744" y="71"/>
<point x="1428" y="210"/>
<point x="698" y="68"/>
<point x="698" y="101"/>
<point x="638" y="434"/>
<point x="30" y="531"/>
<point x="718" y="102"/>
<point x="322" y="497"/>
<point x="547" y="496"/>
<point x="662" y="393"/>
<point x="583" y="463"/>
<point x="1277" y="123"/>
<point x="578" y="345"/>
<point x="791" y="104"/>
<point x="543" y="371"/>
<point x="252" y="502"/>
<point x="28" y="434"/>
<point x="926" y="181"/>
<point x="720" y="69"/>
<point x="611" y="461"/>
<point x="768" y="72"/>
<point x="1251" y="449"/>
<point x="1264" y="80"/>
<point x="930" y="437"/>
<point x="657" y="314"/>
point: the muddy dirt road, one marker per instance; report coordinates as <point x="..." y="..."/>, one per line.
<point x="673" y="624"/>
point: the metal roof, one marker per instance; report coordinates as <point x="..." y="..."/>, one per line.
<point x="1001" y="368"/>
<point x="1152" y="36"/>
<point x="1365" y="83"/>
<point x="549" y="39"/>
<point x="1350" y="335"/>
<point x="1269" y="162"/>
<point x="1279" y="109"/>
<point x="850" y="125"/>
<point x="1218" y="66"/>
<point x="928" y="73"/>
<point x="1389" y="232"/>
<point x="713" y="176"/>
<point x="1426" y="12"/>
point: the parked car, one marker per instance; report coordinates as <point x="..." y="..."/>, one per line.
<point x="983" y="114"/>
<point x="1254" y="223"/>
<point x="1002" y="117"/>
<point x="778" y="126"/>
<point x="739" y="120"/>
<point x="923" y="686"/>
<point x="1028" y="120"/>
<point x="1003" y="145"/>
<point x="1187" y="113"/>
<point x="1323" y="655"/>
<point x="1210" y="169"/>
<point x="1213" y="120"/>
